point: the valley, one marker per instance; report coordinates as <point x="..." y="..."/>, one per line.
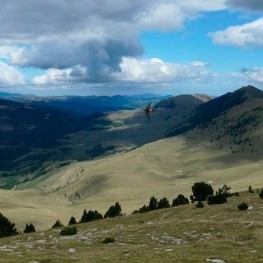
<point x="135" y="158"/>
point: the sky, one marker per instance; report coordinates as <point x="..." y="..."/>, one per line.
<point x="108" y="47"/>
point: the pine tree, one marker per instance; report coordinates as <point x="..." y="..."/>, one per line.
<point x="6" y="227"/>
<point x="163" y="203"/>
<point x="114" y="211"/>
<point x="29" y="228"/>
<point x="153" y="204"/>
<point x="72" y="221"/>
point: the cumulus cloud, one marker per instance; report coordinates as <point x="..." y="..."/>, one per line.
<point x="254" y="5"/>
<point x="254" y="75"/>
<point x="64" y="76"/>
<point x="156" y="71"/>
<point x="10" y="76"/>
<point x="250" y="34"/>
<point x="95" y="35"/>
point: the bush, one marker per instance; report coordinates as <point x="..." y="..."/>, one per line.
<point x="250" y="190"/>
<point x="180" y="200"/>
<point x="216" y="199"/>
<point x="114" y="210"/>
<point x="201" y="191"/>
<point x="163" y="203"/>
<point x="261" y="194"/>
<point x="90" y="216"/>
<point x="143" y="209"/>
<point x="243" y="206"/>
<point x="199" y="204"/>
<point x="6" y="227"/>
<point x="153" y="204"/>
<point x="72" y="221"/>
<point x="57" y="224"/>
<point x="29" y="228"/>
<point x="108" y="240"/>
<point x="225" y="191"/>
<point x="69" y="231"/>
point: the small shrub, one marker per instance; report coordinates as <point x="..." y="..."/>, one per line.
<point x="163" y="203"/>
<point x="153" y="204"/>
<point x="250" y="190"/>
<point x="261" y="194"/>
<point x="199" y="205"/>
<point x="29" y="228"/>
<point x="108" y="240"/>
<point x="69" y="231"/>
<point x="216" y="199"/>
<point x="243" y="206"/>
<point x="57" y="224"/>
<point x="6" y="227"/>
<point x="143" y="209"/>
<point x="236" y="194"/>
<point x="225" y="191"/>
<point x="114" y="211"/>
<point x="72" y="221"/>
<point x="90" y="216"/>
<point x="180" y="200"/>
<point x="201" y="191"/>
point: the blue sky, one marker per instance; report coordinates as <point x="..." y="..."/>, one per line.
<point x="128" y="46"/>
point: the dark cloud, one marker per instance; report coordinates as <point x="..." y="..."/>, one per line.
<point x="91" y="34"/>
<point x="251" y="5"/>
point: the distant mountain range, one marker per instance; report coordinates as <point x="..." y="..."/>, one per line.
<point x="86" y="105"/>
<point x="39" y="135"/>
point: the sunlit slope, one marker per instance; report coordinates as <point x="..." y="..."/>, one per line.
<point x="164" y="169"/>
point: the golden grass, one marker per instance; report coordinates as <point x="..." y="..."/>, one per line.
<point x="165" y="169"/>
<point x="182" y="234"/>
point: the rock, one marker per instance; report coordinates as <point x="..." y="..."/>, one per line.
<point x="72" y="250"/>
<point x="215" y="260"/>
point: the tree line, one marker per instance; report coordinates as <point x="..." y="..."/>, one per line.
<point x="201" y="192"/>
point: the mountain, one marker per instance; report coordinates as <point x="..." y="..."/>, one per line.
<point x="182" y="102"/>
<point x="226" y="121"/>
<point x="207" y="111"/>
<point x="86" y="105"/>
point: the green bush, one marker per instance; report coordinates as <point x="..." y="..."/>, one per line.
<point x="201" y="191"/>
<point x="69" y="231"/>
<point x="29" y="228"/>
<point x="180" y="200"/>
<point x="250" y="190"/>
<point x="108" y="240"/>
<point x="90" y="216"/>
<point x="57" y="224"/>
<point x="72" y="221"/>
<point x="216" y="199"/>
<point x="6" y="227"/>
<point x="261" y="194"/>
<point x="243" y="206"/>
<point x="163" y="203"/>
<point x="153" y="204"/>
<point x="114" y="210"/>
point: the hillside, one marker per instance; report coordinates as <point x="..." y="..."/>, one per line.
<point x="38" y="139"/>
<point x="185" y="234"/>
<point x="226" y="149"/>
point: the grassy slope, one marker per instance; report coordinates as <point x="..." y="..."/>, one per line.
<point x="165" y="168"/>
<point x="184" y="234"/>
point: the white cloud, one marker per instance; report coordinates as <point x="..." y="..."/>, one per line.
<point x="250" y="34"/>
<point x="157" y="71"/>
<point x="10" y="76"/>
<point x="254" y="75"/>
<point x="64" y="76"/>
<point x="93" y="34"/>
